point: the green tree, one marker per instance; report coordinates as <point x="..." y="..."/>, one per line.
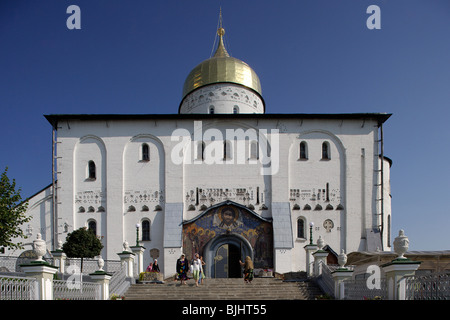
<point x="12" y="213"/>
<point x="82" y="243"/>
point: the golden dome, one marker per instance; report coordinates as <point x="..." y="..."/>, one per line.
<point x="221" y="68"/>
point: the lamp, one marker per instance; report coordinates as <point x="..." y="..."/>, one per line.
<point x="137" y="234"/>
<point x="311" y="225"/>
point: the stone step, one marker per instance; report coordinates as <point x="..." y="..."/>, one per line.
<point x="225" y="289"/>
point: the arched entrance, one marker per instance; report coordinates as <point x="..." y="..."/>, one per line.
<point x="226" y="233"/>
<point x="222" y="255"/>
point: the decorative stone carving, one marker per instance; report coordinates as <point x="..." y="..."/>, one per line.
<point x="143" y="196"/>
<point x="250" y="196"/>
<point x="401" y="245"/>
<point x="60" y="244"/>
<point x="126" y="247"/>
<point x="97" y="197"/>
<point x="320" y="243"/>
<point x="342" y="259"/>
<point x="318" y="196"/>
<point x="100" y="263"/>
<point x="39" y="247"/>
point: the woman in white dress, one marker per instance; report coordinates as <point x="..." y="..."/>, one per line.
<point x="196" y="268"/>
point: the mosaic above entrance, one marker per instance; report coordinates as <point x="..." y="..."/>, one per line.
<point x="231" y="220"/>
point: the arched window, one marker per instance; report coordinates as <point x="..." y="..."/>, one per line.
<point x="227" y="150"/>
<point x="145" y="152"/>
<point x="200" y="150"/>
<point x="254" y="150"/>
<point x="92" y="225"/>
<point x="91" y="170"/>
<point x="303" y="151"/>
<point x="325" y="151"/>
<point x="211" y="109"/>
<point x="235" y="109"/>
<point x="301" y="228"/>
<point x="146" y="230"/>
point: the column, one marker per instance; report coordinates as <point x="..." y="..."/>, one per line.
<point x="128" y="259"/>
<point x="43" y="273"/>
<point x="139" y="254"/>
<point x="310" y="248"/>
<point x="40" y="270"/>
<point x="320" y="257"/>
<point x="399" y="268"/>
<point x="340" y="275"/>
<point x="102" y="278"/>
<point x="60" y="259"/>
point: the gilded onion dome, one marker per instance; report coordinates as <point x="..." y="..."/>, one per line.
<point x="221" y="68"/>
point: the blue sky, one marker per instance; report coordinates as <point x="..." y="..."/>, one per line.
<point x="311" y="57"/>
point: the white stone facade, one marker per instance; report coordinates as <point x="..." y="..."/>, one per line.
<point x="339" y="191"/>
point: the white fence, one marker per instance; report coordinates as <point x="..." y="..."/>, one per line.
<point x="359" y="289"/>
<point x="15" y="287"/>
<point x="18" y="288"/>
<point x="68" y="290"/>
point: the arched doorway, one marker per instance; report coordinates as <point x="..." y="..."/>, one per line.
<point x="222" y="255"/>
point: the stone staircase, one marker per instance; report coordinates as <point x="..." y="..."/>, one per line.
<point x="226" y="289"/>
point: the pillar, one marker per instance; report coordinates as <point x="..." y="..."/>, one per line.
<point x="339" y="276"/>
<point x="320" y="257"/>
<point x="399" y="268"/>
<point x="127" y="258"/>
<point x="139" y="254"/>
<point x="59" y="259"/>
<point x="102" y="278"/>
<point x="310" y="248"/>
<point x="395" y="271"/>
<point x="43" y="273"/>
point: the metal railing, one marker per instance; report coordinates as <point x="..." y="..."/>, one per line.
<point x="359" y="290"/>
<point x="434" y="286"/>
<point x="67" y="290"/>
<point x="325" y="279"/>
<point x="18" y="288"/>
<point x="118" y="284"/>
<point x="91" y="265"/>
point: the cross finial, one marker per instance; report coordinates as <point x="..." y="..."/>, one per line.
<point x="221" y="51"/>
<point x="221" y="30"/>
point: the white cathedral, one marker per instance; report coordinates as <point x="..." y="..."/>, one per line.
<point x="221" y="178"/>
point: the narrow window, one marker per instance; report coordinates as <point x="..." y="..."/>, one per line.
<point x="389" y="231"/>
<point x="301" y="228"/>
<point x="92" y="226"/>
<point x="211" y="110"/>
<point x="303" y="152"/>
<point x="254" y="150"/>
<point x="325" y="151"/>
<point x="91" y="170"/>
<point x="227" y="150"/>
<point x="145" y="152"/>
<point x="200" y="150"/>
<point x="145" y="230"/>
<point x="235" y="109"/>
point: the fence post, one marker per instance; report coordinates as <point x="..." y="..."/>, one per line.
<point x="60" y="259"/>
<point x="398" y="268"/>
<point x="102" y="278"/>
<point x="139" y="252"/>
<point x="310" y="248"/>
<point x="40" y="270"/>
<point x="320" y="257"/>
<point x="128" y="257"/>
<point x="340" y="275"/>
